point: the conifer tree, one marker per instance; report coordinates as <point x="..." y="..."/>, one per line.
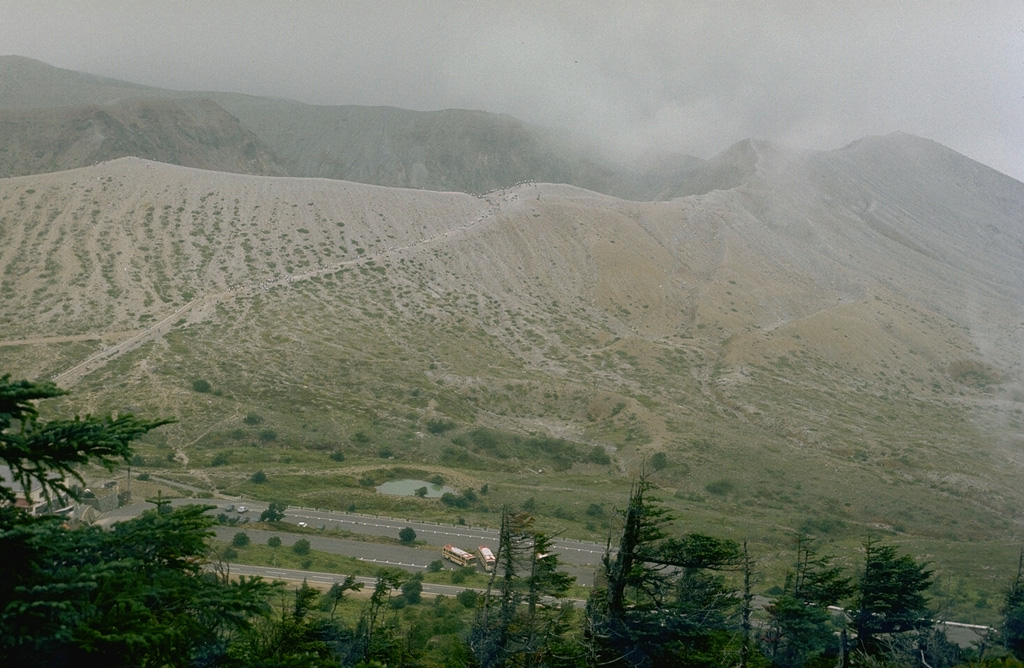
<point x="134" y="595"/>
<point x="890" y="595"/>
<point x="521" y="621"/>
<point x="800" y="625"/>
<point x="663" y="599"/>
<point x="1013" y="612"/>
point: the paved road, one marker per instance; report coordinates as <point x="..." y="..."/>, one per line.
<point x="408" y="558"/>
<point x="580" y="553"/>
<point x="577" y="558"/>
<point x="312" y="577"/>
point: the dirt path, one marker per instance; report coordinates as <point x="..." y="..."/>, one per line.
<point x="47" y="340"/>
<point x="202" y="307"/>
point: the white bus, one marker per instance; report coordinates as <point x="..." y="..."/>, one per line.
<point x="458" y="556"/>
<point x="486" y="557"/>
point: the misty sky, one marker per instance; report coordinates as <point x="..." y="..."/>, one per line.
<point x="677" y="75"/>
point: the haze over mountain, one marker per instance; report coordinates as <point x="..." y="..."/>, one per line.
<point x="823" y="336"/>
<point x="452" y="149"/>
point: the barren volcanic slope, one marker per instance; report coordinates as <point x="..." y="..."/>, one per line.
<point x="826" y="340"/>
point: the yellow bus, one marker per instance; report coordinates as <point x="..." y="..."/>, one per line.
<point x="486" y="557"/>
<point x="458" y="556"/>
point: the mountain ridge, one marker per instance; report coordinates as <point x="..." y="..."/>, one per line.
<point x="451" y="149"/>
<point x="191" y="132"/>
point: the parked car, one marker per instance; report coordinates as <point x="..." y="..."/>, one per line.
<point x="230" y="507"/>
<point x="243" y="509"/>
<point x="302" y="524"/>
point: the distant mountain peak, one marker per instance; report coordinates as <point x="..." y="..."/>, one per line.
<point x="736" y="165"/>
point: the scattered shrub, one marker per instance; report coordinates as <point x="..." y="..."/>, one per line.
<point x="252" y="418"/>
<point x="200" y="385"/>
<point x="974" y="374"/>
<point x="719" y="487"/>
<point x="259" y="477"/>
<point x="439" y="426"/>
<point x="455" y="500"/>
<point x="301" y="547"/>
<point x="412" y="591"/>
<point x="274" y="541"/>
<point x="241" y="539"/>
<point x="467" y="597"/>
<point x="273" y="513"/>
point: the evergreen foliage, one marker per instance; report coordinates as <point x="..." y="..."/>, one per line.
<point x="800" y="625"/>
<point x="890" y="595"/>
<point x="273" y="513"/>
<point x="136" y="595"/>
<point x="663" y="600"/>
<point x="48" y="454"/>
<point x="1013" y="612"/>
<point x="522" y="620"/>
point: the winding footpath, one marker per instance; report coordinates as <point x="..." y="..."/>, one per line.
<point x="204" y="306"/>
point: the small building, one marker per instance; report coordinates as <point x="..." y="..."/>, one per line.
<point x="34" y="500"/>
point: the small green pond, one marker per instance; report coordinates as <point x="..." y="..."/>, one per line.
<point x="409" y="487"/>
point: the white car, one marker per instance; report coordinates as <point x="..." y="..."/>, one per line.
<point x="303" y="524"/>
<point x="243" y="509"/>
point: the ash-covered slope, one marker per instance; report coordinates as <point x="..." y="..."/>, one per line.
<point x="788" y="237"/>
<point x="897" y="213"/>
